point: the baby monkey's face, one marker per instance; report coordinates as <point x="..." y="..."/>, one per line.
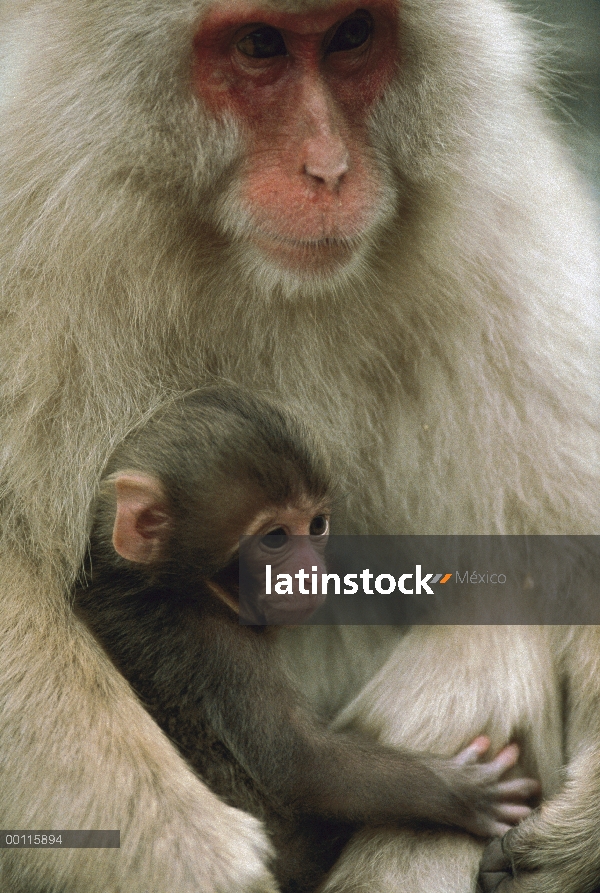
<point x="284" y="546"/>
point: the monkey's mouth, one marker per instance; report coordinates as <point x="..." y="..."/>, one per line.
<point x="327" y="251"/>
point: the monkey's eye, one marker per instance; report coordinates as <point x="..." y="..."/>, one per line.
<point x="263" y="43"/>
<point x="275" y="539"/>
<point x="319" y="526"/>
<point x="352" y="33"/>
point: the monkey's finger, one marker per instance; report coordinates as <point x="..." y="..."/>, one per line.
<point x="512" y="812"/>
<point x="494" y="858"/>
<point x="497" y="829"/>
<point x="473" y="751"/>
<point x="519" y="788"/>
<point x="492" y="882"/>
<point x="505" y="760"/>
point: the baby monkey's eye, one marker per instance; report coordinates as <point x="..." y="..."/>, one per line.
<point x="275" y="539"/>
<point x="319" y="526"/>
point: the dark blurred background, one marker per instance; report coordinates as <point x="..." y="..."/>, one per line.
<point x="575" y="32"/>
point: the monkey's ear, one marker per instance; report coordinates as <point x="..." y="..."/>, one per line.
<point x="142" y="522"/>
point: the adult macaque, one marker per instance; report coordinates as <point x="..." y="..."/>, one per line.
<point x="365" y="211"/>
<point x="161" y="598"/>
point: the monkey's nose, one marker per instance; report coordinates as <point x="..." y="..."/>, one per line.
<point x="327" y="171"/>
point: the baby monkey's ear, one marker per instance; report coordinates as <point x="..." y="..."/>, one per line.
<point x="142" y="521"/>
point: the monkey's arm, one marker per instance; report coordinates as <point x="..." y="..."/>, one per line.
<point x="73" y="741"/>
<point x="345" y="776"/>
<point x="210" y="670"/>
<point x="558" y="849"/>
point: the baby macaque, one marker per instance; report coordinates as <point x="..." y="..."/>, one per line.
<point x="161" y="596"/>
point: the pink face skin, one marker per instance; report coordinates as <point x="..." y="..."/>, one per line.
<point x="302" y="86"/>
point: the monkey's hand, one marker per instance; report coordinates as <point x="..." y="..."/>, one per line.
<point x="557" y="850"/>
<point x="495" y="868"/>
<point x="490" y="806"/>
